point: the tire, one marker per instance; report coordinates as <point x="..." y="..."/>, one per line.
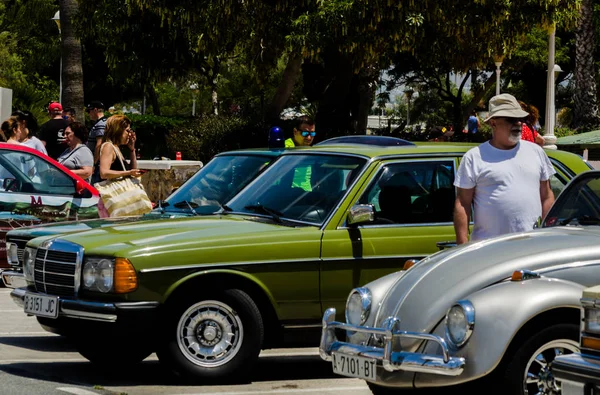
<point x="208" y="321"/>
<point x="545" y="345"/>
<point x="380" y="390"/>
<point x="112" y="353"/>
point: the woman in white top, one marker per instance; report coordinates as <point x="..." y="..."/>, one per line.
<point x="28" y="124"/>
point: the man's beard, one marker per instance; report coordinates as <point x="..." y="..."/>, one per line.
<point x="515" y="136"/>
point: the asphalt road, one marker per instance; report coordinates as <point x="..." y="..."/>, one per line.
<point x="33" y="362"/>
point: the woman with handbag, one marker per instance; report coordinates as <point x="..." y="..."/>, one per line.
<point x="121" y="191"/>
<point x="78" y="158"/>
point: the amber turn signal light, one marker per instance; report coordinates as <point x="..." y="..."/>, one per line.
<point x="125" y="276"/>
<point x="408" y="264"/>
<point x="591" y="343"/>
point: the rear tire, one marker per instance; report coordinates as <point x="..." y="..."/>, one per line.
<point x="533" y="360"/>
<point x="216" y="337"/>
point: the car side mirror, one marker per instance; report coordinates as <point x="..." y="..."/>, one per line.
<point x="361" y="213"/>
<point x="11" y="184"/>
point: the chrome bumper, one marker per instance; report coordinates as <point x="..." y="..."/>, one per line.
<point x="576" y="372"/>
<point x="390" y="360"/>
<point x="13" y="279"/>
<point x="95" y="311"/>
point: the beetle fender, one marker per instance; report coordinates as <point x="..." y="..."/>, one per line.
<point x="501" y="311"/>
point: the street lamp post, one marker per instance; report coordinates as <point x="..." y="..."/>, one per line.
<point x="498" y="59"/>
<point x="56" y="18"/>
<point x="194" y="88"/>
<point x="553" y="70"/>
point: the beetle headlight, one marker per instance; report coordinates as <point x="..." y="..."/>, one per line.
<point x="591" y="323"/>
<point x="29" y="263"/>
<point x="358" y="306"/>
<point x="460" y="320"/>
<point x="11" y="254"/>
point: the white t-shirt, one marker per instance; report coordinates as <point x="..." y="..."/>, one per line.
<point x="35" y="143"/>
<point x="507" y="187"/>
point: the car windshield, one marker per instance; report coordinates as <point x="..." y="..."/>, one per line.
<point x="579" y="204"/>
<point x="303" y="188"/>
<point x="215" y="184"/>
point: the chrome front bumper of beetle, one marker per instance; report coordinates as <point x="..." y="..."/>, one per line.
<point x="386" y="357"/>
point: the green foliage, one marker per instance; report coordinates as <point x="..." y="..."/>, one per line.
<point x="203" y="138"/>
<point x="562" y="132"/>
<point x="152" y="131"/>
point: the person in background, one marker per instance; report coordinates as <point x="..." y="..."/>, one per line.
<point x="95" y="111"/>
<point x="118" y="132"/>
<point x="28" y="137"/>
<point x="506" y="182"/>
<point x="77" y="157"/>
<point x="13" y="130"/>
<point x="69" y="114"/>
<point x="303" y="133"/>
<point x="473" y="123"/>
<point x="529" y="131"/>
<point x="52" y="133"/>
<point x="4" y="131"/>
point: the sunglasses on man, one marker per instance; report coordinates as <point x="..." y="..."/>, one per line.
<point x="306" y="133"/>
<point x="513" y="121"/>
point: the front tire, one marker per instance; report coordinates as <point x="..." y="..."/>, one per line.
<point x="214" y="338"/>
<point x="113" y="353"/>
<point x="529" y="371"/>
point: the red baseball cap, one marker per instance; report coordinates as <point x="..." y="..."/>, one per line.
<point x="55" y="107"/>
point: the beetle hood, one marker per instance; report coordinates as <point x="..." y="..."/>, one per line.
<point x="423" y="295"/>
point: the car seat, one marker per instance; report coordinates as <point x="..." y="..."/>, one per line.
<point x="395" y="204"/>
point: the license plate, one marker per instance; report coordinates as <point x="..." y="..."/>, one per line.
<point x="42" y="305"/>
<point x="571" y="388"/>
<point x="353" y="366"/>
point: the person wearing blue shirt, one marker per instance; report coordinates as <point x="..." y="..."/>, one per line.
<point x="473" y="124"/>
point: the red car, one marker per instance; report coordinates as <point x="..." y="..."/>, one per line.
<point x="35" y="188"/>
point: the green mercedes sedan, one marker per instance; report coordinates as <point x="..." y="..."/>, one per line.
<point x="207" y="293"/>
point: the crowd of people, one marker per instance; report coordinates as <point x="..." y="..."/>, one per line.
<point x="70" y="143"/>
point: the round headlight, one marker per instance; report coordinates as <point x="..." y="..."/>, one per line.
<point x="358" y="306"/>
<point x="460" y="320"/>
<point x="104" y="275"/>
<point x="89" y="275"/>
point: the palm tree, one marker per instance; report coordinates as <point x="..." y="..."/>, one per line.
<point x="586" y="103"/>
<point x="72" y="72"/>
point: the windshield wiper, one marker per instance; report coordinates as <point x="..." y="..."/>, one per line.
<point x="188" y="204"/>
<point x="274" y="214"/>
<point x="582" y="220"/>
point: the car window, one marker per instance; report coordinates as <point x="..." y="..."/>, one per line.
<point x="35" y="175"/>
<point x="412" y="192"/>
<point x="579" y="205"/>
<point x="299" y="187"/>
<point x="216" y="183"/>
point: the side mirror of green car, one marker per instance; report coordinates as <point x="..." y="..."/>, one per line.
<point x="360" y="214"/>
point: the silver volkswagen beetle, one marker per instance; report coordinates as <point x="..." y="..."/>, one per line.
<point x="498" y="309"/>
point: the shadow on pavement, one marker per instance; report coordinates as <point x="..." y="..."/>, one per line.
<point x="40" y="343"/>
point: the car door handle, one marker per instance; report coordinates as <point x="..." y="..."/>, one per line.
<point x="442" y="245"/>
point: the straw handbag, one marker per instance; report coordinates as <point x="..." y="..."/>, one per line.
<point x="123" y="196"/>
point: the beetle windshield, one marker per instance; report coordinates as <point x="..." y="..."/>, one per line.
<point x="299" y="187"/>
<point x="578" y="204"/>
<point x="215" y="183"/>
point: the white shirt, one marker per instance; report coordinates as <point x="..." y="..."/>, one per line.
<point x="35" y="143"/>
<point x="507" y="187"/>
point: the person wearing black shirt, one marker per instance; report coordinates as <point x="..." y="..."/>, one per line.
<point x="52" y="133"/>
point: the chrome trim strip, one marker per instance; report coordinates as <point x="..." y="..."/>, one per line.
<point x="56" y="274"/>
<point x="312" y="326"/>
<point x="263" y="262"/>
<point x="324" y="153"/>
<point x="576" y="365"/>
<point x="458" y="154"/>
<point x="567" y="266"/>
<point x="59" y="262"/>
<point x="70" y="313"/>
<point x="13" y="279"/>
<point x="388" y="358"/>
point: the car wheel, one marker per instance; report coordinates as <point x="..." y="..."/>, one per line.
<point x="217" y="337"/>
<point x="113" y="352"/>
<point x="529" y="371"/>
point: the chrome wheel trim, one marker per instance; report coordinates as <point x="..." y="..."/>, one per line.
<point x="538" y="377"/>
<point x="210" y="333"/>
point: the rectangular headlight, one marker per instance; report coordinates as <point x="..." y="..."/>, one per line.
<point x="11" y="254"/>
<point x="29" y="263"/>
<point x="591" y="322"/>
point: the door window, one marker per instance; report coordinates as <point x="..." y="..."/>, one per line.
<point x="412" y="193"/>
<point x="35" y="175"/>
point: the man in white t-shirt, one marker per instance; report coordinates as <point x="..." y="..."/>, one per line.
<point x="507" y="180"/>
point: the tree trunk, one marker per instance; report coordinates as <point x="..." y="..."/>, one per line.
<point x="153" y="99"/>
<point x="367" y="85"/>
<point x="214" y="98"/>
<point x="72" y="71"/>
<point x="586" y="104"/>
<point x="286" y="86"/>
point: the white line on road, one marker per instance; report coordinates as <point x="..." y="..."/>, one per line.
<point x="76" y="391"/>
<point x="285" y="391"/>
<point x="27" y="334"/>
<point x="49" y="360"/>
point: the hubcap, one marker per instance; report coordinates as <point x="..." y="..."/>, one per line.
<point x="210" y="333"/>
<point x="538" y="377"/>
